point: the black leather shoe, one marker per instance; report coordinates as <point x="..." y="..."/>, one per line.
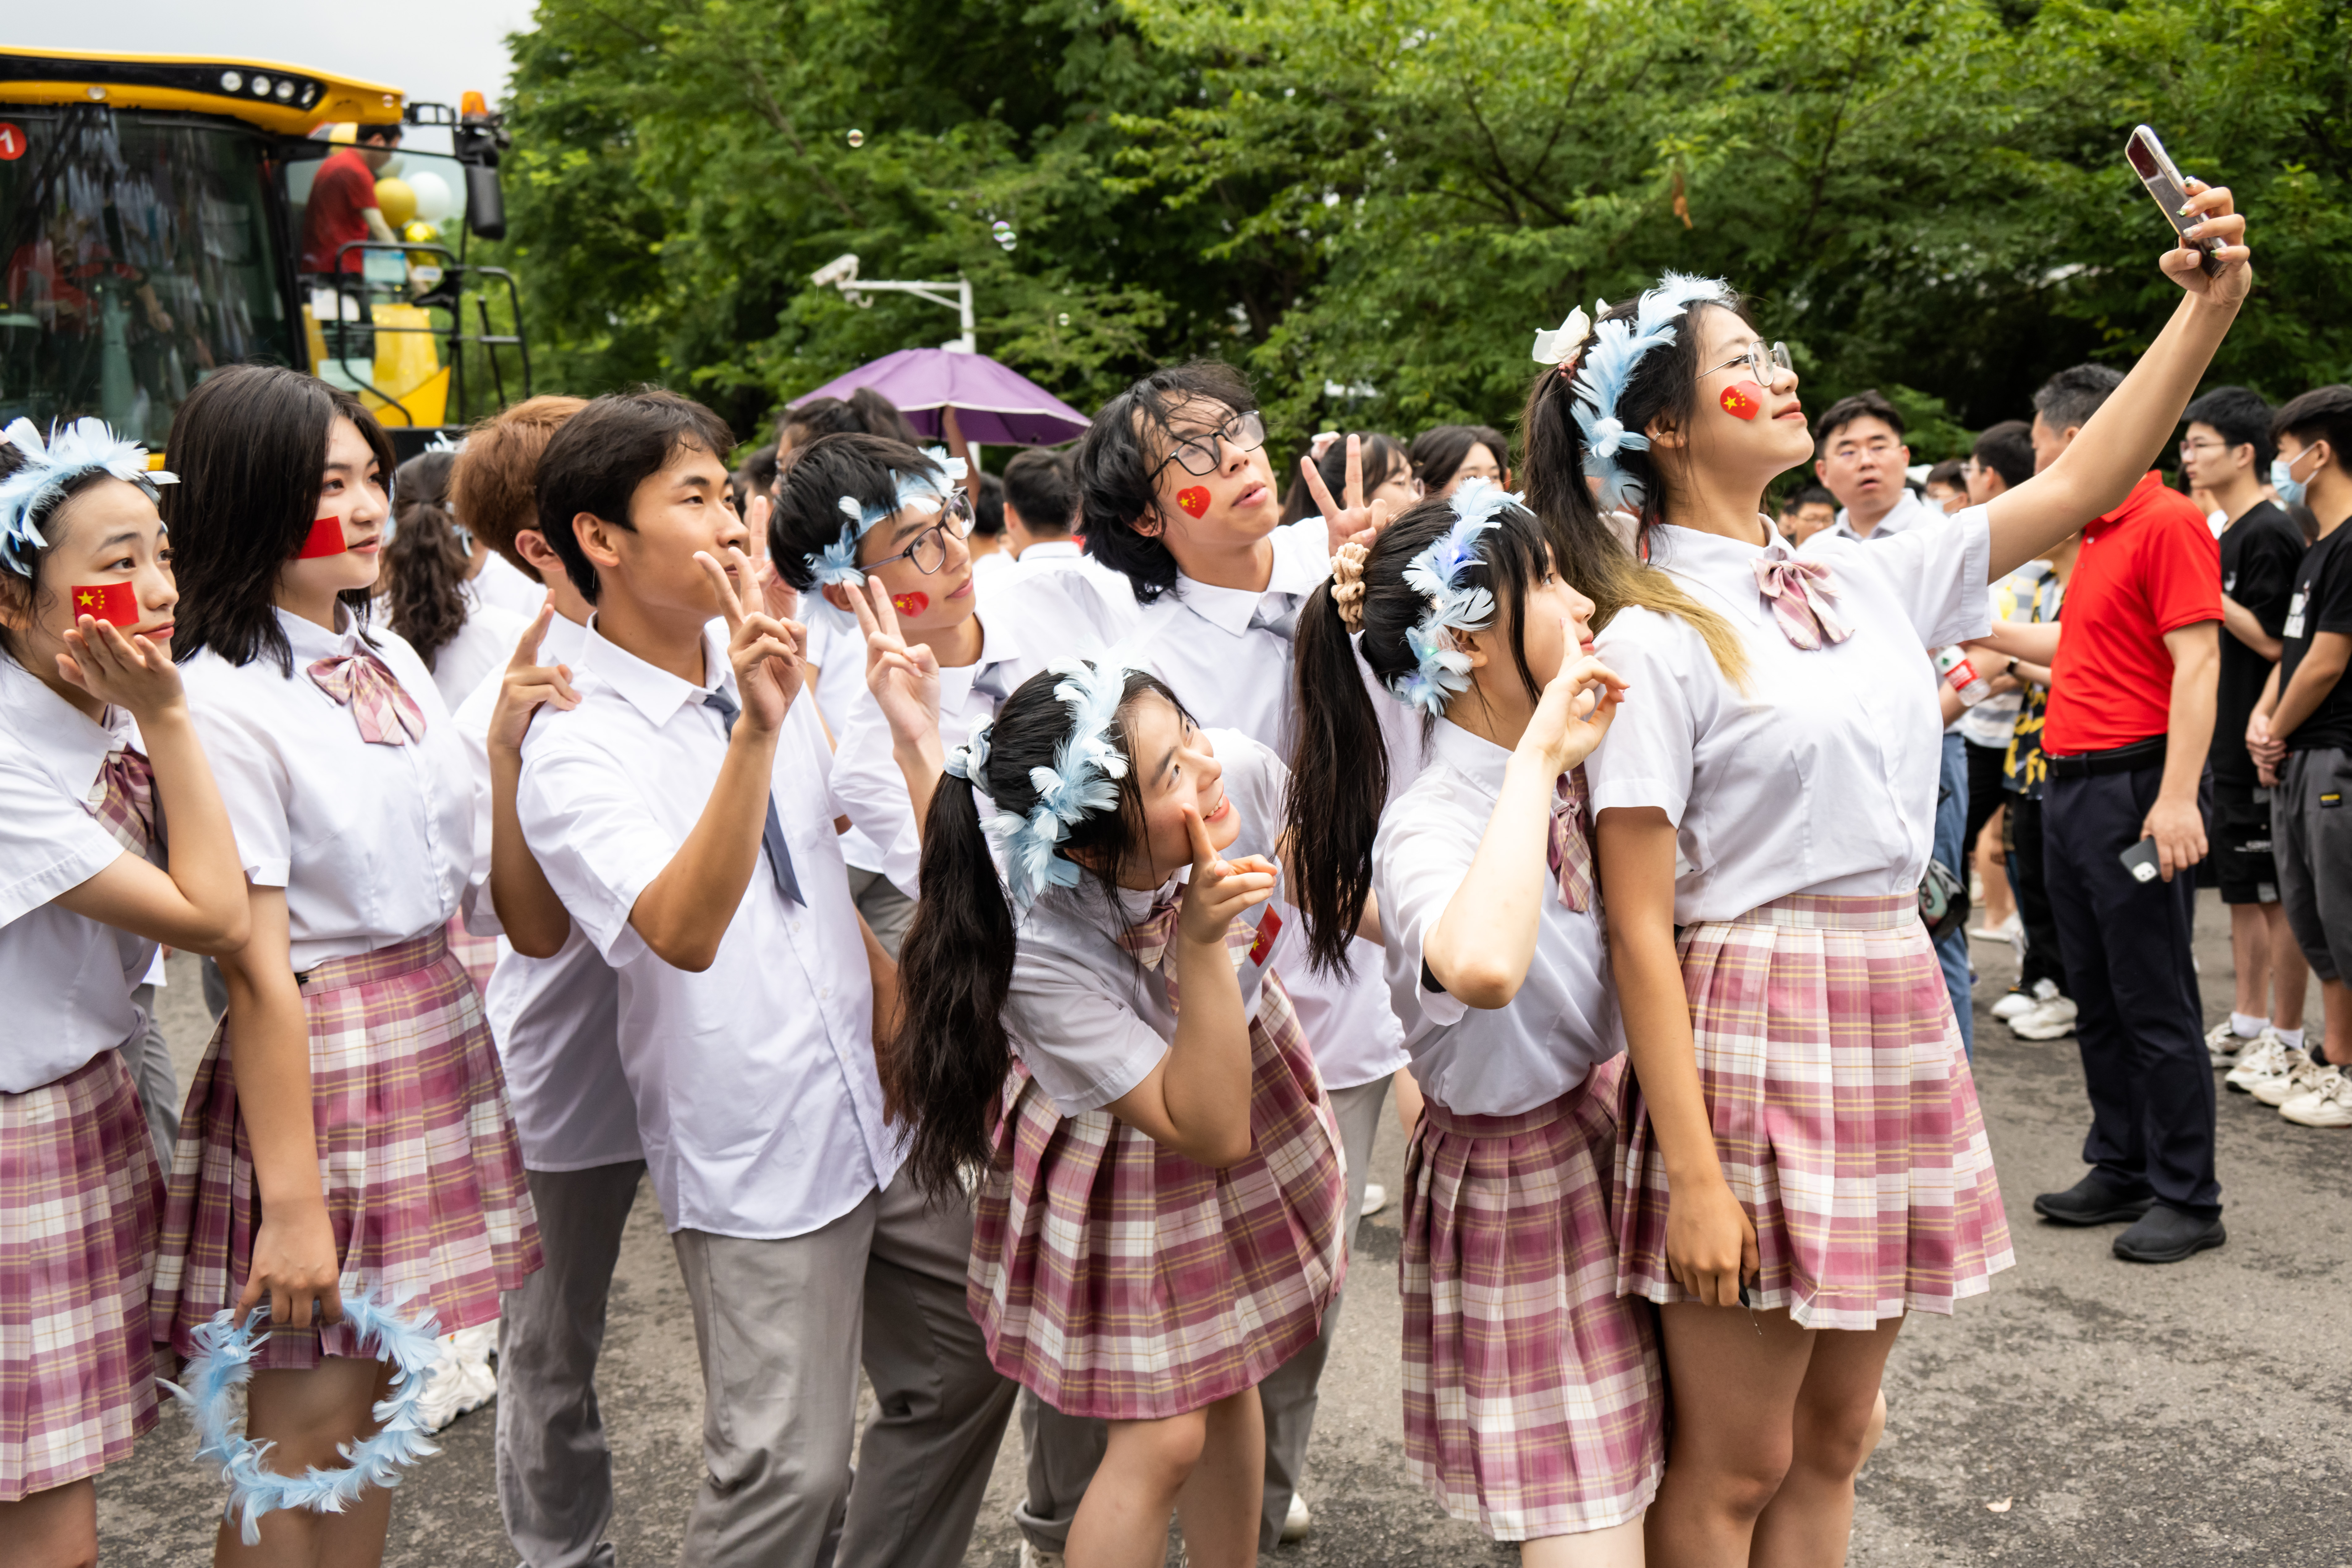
<point x="2097" y="1199"/>
<point x="2167" y="1235"/>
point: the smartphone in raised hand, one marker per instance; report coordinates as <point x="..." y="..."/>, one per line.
<point x="2147" y="159"/>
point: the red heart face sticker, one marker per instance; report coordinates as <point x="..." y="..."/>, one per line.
<point x="1743" y="400"/>
<point x="1194" y="499"/>
<point x="913" y="604"/>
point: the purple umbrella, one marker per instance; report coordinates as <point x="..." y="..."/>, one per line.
<point x="994" y="406"/>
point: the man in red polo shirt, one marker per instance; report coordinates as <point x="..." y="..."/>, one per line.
<point x="343" y="201"/>
<point x="2132" y="690"/>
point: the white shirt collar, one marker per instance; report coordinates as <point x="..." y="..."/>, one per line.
<point x="1474" y="757"/>
<point x="1723" y="564"/>
<point x="1906" y="514"/>
<point x="311" y="641"/>
<point x="1230" y="610"/>
<point x="1049" y="548"/>
<point x="65" y="739"/>
<point x="655" y="692"/>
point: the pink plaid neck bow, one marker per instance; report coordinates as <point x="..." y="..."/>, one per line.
<point x="126" y="808"/>
<point x="386" y="715"/>
<point x="1149" y="939"/>
<point x="1570" y="851"/>
<point x="1800" y="591"/>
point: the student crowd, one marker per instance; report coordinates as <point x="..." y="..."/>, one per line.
<point x="998" y="950"/>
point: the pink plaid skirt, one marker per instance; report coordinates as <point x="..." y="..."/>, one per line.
<point x="1844" y="1117"/>
<point x="1533" y="1400"/>
<point x="417" y="1153"/>
<point x="79" y="1202"/>
<point x="476" y="956"/>
<point x="1116" y="1279"/>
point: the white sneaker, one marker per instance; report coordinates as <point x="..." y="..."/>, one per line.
<point x="1297" y="1521"/>
<point x="2328" y="1103"/>
<point x="2052" y="1020"/>
<point x="1036" y="1557"/>
<point x="2301" y="1076"/>
<point x="1375" y="1198"/>
<point x="2007" y="930"/>
<point x="2267" y="1057"/>
<point x="2021" y="1002"/>
<point x="2222" y="1043"/>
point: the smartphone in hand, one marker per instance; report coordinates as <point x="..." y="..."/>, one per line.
<point x="2142" y="862"/>
<point x="2147" y="159"/>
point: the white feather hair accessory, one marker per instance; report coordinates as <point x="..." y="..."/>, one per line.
<point x="29" y="495"/>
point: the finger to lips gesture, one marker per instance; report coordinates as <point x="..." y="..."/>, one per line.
<point x="904" y="679"/>
<point x="1355" y="522"/>
<point x="1576" y="708"/>
<point x="128" y="672"/>
<point x="1220" y="888"/>
<point x="2218" y="219"/>
<point x="766" y="653"/>
<point x="529" y="683"/>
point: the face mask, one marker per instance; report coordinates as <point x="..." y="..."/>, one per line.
<point x="2282" y="480"/>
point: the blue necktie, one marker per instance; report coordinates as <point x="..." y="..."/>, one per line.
<point x="772" y="838"/>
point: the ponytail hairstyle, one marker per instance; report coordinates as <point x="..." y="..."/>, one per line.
<point x="1445" y="564"/>
<point x="1585" y="421"/>
<point x="1056" y="765"/>
<point x="426" y="563"/>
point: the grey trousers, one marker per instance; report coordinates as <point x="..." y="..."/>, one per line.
<point x="1063" y="1450"/>
<point x="554" y="1471"/>
<point x="783" y="1327"/>
<point x="2311" y="839"/>
<point x="150" y="1062"/>
<point x="887" y="912"/>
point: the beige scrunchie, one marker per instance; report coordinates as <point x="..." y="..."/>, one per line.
<point x="1347" y="584"/>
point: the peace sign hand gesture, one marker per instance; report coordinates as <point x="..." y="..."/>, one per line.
<point x="1220" y="888"/>
<point x="904" y="677"/>
<point x="1355" y="522"/>
<point x="767" y="653"/>
<point x="529" y="683"/>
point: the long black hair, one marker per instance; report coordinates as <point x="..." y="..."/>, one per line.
<point x="946" y="1068"/>
<point x="1338" y="779"/>
<point x="423" y="584"/>
<point x="1119" y="461"/>
<point x="250" y="445"/>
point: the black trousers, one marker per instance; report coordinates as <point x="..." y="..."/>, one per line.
<point x="2140" y="1024"/>
<point x="1985" y="797"/>
<point x="2042" y="947"/>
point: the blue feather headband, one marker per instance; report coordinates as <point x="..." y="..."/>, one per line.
<point x="920" y="491"/>
<point x="1441" y="668"/>
<point x="1083" y="780"/>
<point x="32" y="491"/>
<point x="1607" y="363"/>
<point x="224" y="1364"/>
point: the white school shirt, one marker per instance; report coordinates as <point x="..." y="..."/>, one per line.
<point x="837" y="647"/>
<point x="374" y="844"/>
<point x="481" y="649"/>
<point x="1053" y="557"/>
<point x="1199" y="639"/>
<point x="992" y="569"/>
<point x="556" y="1020"/>
<point x="1090" y="1022"/>
<point x="757" y="1098"/>
<point x="500" y="585"/>
<point x="1906" y="515"/>
<point x="866" y="776"/>
<point x="67" y="979"/>
<point x="1480" y="1061"/>
<point x="1823" y="778"/>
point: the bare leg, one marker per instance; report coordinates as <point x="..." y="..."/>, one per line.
<point x="2335" y="1008"/>
<point x="2000" y="903"/>
<point x="1735" y="1377"/>
<point x="1811" y="1518"/>
<point x="52" y="1529"/>
<point x="1217" y="1506"/>
<point x="307" y="1415"/>
<point x="1877" y="1428"/>
<point x="1122" y="1521"/>
<point x="1619" y="1546"/>
<point x="2250" y="956"/>
<point x="2290" y="974"/>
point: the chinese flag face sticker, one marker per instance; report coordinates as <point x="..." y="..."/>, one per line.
<point x="913" y="604"/>
<point x="1743" y="400"/>
<point x="1193" y="499"/>
<point x="1267" y="930"/>
<point x="115" y="602"/>
<point x="326" y="538"/>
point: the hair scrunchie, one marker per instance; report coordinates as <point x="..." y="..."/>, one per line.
<point x="1347" y="584"/>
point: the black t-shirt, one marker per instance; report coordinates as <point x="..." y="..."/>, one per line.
<point x="2322" y="602"/>
<point x="2260" y="552"/>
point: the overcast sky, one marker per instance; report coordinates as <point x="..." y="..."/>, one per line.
<point x="431" y="49"/>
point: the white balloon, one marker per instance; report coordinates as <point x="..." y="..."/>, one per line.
<point x="435" y="200"/>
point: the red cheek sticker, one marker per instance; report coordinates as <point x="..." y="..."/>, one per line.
<point x="115" y="602"/>
<point x="326" y="538"/>
<point x="1743" y="400"/>
<point x="1194" y="500"/>
<point x="910" y="603"/>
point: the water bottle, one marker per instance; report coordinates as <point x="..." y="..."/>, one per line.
<point x="1953" y="664"/>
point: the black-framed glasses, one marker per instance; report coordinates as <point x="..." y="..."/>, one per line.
<point x="1200" y="455"/>
<point x="1765" y="362"/>
<point x="929" y="549"/>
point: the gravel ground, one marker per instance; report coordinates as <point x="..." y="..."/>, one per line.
<point x="2088" y="1412"/>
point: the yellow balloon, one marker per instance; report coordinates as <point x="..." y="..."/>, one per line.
<point x="420" y="233"/>
<point x="395" y="201"/>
